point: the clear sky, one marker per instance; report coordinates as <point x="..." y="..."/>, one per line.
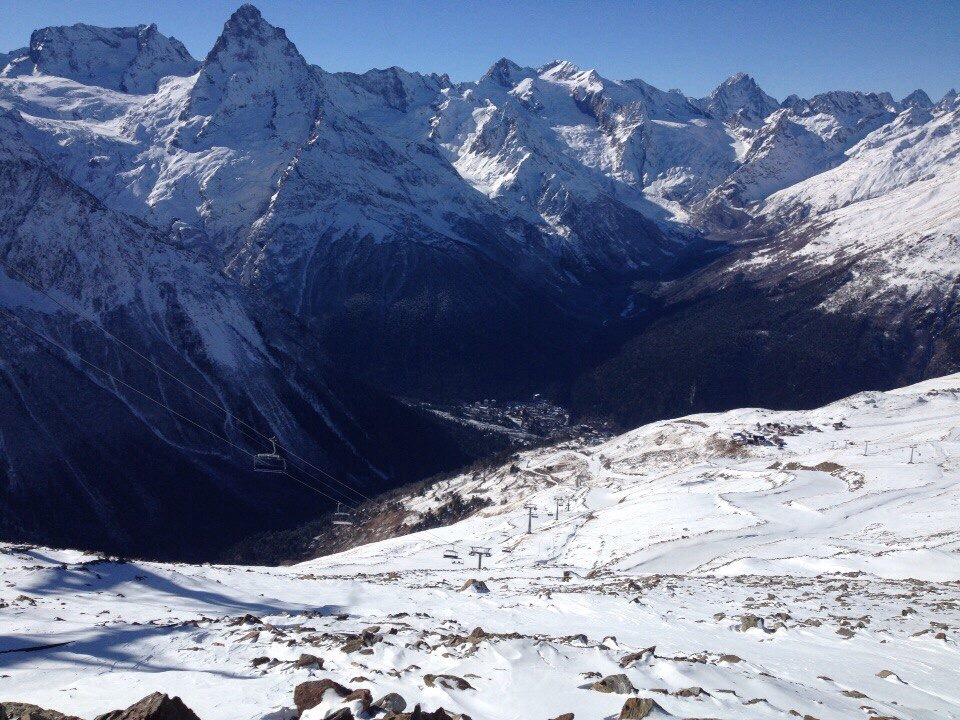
<point x="789" y="46"/>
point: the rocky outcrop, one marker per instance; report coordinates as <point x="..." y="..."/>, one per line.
<point x="156" y="706"/>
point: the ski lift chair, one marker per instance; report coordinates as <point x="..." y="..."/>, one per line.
<point x="451" y="553"/>
<point x="270" y="462"/>
<point x="342" y="517"/>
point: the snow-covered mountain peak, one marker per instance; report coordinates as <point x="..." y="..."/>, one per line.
<point x="918" y="98"/>
<point x="126" y="59"/>
<point x="504" y="72"/>
<point x="559" y="70"/>
<point x="739" y="95"/>
<point x="254" y="83"/>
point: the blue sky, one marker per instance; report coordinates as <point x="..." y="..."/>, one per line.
<point x="790" y="46"/>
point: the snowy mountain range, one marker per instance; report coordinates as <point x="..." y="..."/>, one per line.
<point x="253" y="220"/>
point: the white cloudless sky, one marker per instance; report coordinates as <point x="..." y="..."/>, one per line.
<point x="788" y="46"/>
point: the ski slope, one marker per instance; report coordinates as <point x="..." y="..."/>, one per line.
<point x="820" y="579"/>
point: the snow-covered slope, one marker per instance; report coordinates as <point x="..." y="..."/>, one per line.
<point x="720" y="580"/>
<point x="130" y="59"/>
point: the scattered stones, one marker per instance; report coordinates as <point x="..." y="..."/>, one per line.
<point x="688" y="692"/>
<point x="846" y="633"/>
<point x="449" y="682"/>
<point x="619" y="684"/>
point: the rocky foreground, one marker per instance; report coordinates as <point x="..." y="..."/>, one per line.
<point x="750" y="564"/>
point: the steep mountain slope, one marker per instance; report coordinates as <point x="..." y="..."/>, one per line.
<point x="850" y="281"/>
<point x="689" y="575"/>
<point x="89" y="459"/>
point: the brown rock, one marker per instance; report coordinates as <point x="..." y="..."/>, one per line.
<point x="308" y="660"/>
<point x="638" y="708"/>
<point x="363" y="695"/>
<point x="730" y="658"/>
<point x="565" y="716"/>
<point x="258" y="661"/>
<point x="154" y="707"/>
<point x="341" y="714"/>
<point x="449" y="682"/>
<point x="477" y="585"/>
<point x="644" y="654"/>
<point x="619" y="684"/>
<point x="310" y="694"/>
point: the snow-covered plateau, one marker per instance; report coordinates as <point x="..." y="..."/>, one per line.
<point x="748" y="564"/>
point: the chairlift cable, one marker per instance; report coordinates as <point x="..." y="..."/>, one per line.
<point x="117" y="380"/>
<point x="36" y="285"/>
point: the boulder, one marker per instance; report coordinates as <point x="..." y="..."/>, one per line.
<point x="448" y="682"/>
<point x="310" y="694"/>
<point x="363" y="696"/>
<point x="477" y="586"/>
<point x="640" y="655"/>
<point x="391" y="702"/>
<point x="565" y="716"/>
<point x="157" y="706"/>
<point x="307" y="660"/>
<point x="619" y="684"/>
<point x="638" y="708"/>
<point x="748" y="622"/>
<point x="341" y="714"/>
